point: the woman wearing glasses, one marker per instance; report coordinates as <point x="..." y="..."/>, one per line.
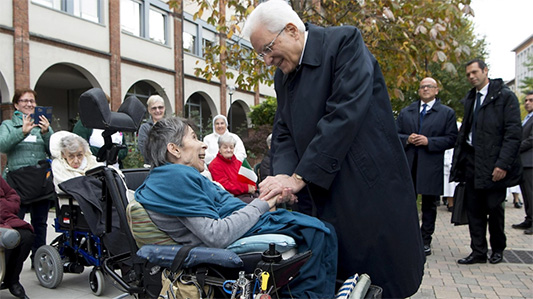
<point x="25" y="143"/>
<point x="156" y="108"/>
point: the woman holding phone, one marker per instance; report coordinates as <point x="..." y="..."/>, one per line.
<point x="25" y="144"/>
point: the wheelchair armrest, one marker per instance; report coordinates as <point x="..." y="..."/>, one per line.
<point x="163" y="255"/>
<point x="9" y="238"/>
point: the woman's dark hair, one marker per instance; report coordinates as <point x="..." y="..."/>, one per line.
<point x="163" y="132"/>
<point x="19" y="92"/>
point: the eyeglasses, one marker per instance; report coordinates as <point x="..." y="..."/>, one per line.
<point x="26" y="101"/>
<point x="157" y="107"/>
<point x="268" y="48"/>
<point x="427" y="86"/>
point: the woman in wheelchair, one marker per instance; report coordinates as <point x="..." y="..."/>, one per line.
<point x="194" y="211"/>
<point x="71" y="157"/>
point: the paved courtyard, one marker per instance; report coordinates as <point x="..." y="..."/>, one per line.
<point x="443" y="277"/>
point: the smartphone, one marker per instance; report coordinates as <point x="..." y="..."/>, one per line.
<point x="45" y="111"/>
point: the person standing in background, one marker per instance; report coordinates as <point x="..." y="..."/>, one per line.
<point x="156" y="108"/>
<point x="526" y="154"/>
<point x="486" y="159"/>
<point x="220" y="127"/>
<point x="426" y="129"/>
<point x="25" y="144"/>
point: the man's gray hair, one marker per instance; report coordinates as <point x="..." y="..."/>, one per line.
<point x="273" y="15"/>
<point x="226" y="139"/>
<point x="163" y="132"/>
<point x="71" y="143"/>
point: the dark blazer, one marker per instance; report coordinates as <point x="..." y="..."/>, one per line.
<point x="526" y="146"/>
<point x="334" y="126"/>
<point x="498" y="136"/>
<point x="440" y="127"/>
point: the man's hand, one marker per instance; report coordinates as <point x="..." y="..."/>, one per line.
<point x="498" y="174"/>
<point x="417" y="139"/>
<point x="281" y="186"/>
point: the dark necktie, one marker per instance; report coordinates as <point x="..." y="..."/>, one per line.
<point x="476" y="109"/>
<point x="422" y="115"/>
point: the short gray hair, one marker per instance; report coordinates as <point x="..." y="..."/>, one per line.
<point x="273" y="15"/>
<point x="71" y="143"/>
<point x="226" y="139"/>
<point x="154" y="99"/>
<point x="163" y="132"/>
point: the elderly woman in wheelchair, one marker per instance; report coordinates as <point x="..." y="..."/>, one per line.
<point x="191" y="210"/>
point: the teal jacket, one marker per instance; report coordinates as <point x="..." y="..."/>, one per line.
<point x="19" y="149"/>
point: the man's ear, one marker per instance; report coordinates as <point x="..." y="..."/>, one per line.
<point x="292" y="30"/>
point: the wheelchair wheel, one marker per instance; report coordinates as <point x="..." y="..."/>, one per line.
<point x="97" y="281"/>
<point x="48" y="266"/>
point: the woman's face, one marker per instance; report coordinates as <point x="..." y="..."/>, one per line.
<point x="74" y="159"/>
<point x="226" y="150"/>
<point x="220" y="126"/>
<point x="192" y="151"/>
<point x="26" y="103"/>
<point x="157" y="111"/>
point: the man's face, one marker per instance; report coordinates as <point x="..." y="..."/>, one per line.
<point x="284" y="52"/>
<point x="428" y="89"/>
<point x="477" y="77"/>
<point x="528" y="103"/>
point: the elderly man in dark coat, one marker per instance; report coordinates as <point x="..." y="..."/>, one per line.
<point x="427" y="128"/>
<point x="486" y="159"/>
<point x="335" y="135"/>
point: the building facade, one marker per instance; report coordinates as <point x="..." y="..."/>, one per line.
<point x="61" y="48"/>
<point x="522" y="52"/>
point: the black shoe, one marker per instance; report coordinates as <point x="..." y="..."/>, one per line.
<point x="518" y="204"/>
<point x="523" y="225"/>
<point x="450" y="209"/>
<point x="17" y="290"/>
<point x="528" y="231"/>
<point x="496" y="258"/>
<point x="3" y="286"/>
<point x="427" y="249"/>
<point x="471" y="259"/>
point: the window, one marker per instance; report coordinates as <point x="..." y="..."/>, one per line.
<point x="130" y="17"/>
<point x="190" y="31"/>
<point x="145" y="18"/>
<point x="208" y="38"/>
<point x="86" y="9"/>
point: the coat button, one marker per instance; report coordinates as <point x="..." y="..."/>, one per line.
<point x="333" y="165"/>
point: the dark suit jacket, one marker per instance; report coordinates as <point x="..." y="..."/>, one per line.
<point x="526" y="146"/>
<point x="334" y="126"/>
<point x="440" y="127"/>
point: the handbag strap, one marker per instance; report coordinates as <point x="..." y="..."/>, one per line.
<point x="180" y="257"/>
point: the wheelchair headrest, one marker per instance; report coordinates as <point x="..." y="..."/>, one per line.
<point x="96" y="114"/>
<point x="9" y="238"/>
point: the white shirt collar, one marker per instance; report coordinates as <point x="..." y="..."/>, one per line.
<point x="305" y="42"/>
<point x="430" y="104"/>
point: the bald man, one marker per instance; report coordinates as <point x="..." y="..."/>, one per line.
<point x="427" y="128"/>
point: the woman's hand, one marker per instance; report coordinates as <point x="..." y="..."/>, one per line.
<point x="27" y="124"/>
<point x="44" y="124"/>
<point x="273" y="186"/>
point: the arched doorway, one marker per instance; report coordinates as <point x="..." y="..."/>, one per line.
<point x="144" y="89"/>
<point x="60" y="86"/>
<point x="237" y="119"/>
<point x="198" y="109"/>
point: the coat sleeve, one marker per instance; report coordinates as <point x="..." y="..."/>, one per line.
<point x="447" y="140"/>
<point x="283" y="149"/>
<point x="512" y="133"/>
<point x="402" y="133"/>
<point x="10" y="137"/>
<point x="527" y="143"/>
<point x="353" y="71"/>
<point x="142" y="137"/>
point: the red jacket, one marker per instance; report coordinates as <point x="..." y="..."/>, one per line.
<point x="9" y="208"/>
<point x="226" y="172"/>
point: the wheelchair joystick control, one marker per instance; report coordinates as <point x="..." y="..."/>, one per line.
<point x="271" y="255"/>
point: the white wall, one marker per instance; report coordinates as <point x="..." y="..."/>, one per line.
<point x="146" y="51"/>
<point x="46" y="21"/>
<point x="43" y="56"/>
<point x="6" y="67"/>
<point x="6" y="13"/>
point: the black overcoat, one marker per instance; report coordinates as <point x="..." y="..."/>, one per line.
<point x="334" y="126"/>
<point x="440" y="128"/>
<point x="498" y="137"/>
